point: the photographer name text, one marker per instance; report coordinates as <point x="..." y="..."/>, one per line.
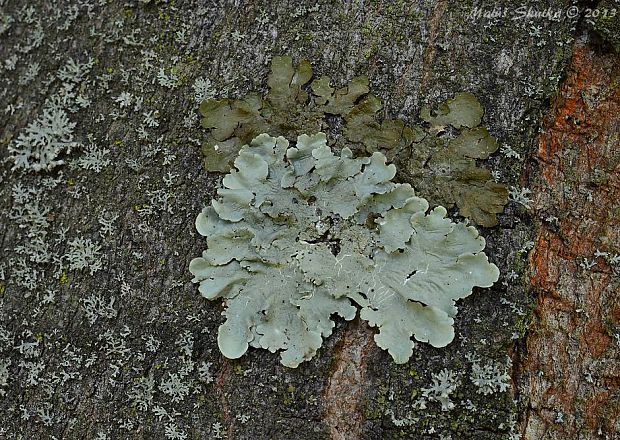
<point x="533" y="13"/>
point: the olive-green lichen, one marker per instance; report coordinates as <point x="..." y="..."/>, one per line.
<point x="445" y="171"/>
<point x="299" y="234"/>
<point x="287" y="110"/>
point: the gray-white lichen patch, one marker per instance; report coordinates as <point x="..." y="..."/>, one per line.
<point x="299" y="234"/>
<point x="83" y="253"/>
<point x="40" y="145"/>
<point x="444" y="384"/>
<point x="491" y="378"/>
<point x="4" y="375"/>
<point x="66" y="138"/>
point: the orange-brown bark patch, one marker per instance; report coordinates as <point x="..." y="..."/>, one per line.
<point x="572" y="359"/>
<point x="344" y="390"/>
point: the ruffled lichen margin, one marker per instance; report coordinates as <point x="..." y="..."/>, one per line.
<point x="299" y="234"/>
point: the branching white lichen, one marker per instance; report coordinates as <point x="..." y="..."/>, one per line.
<point x="83" y="253"/>
<point x="94" y="158"/>
<point x="40" y="145"/>
<point x="74" y="71"/>
<point x="203" y="90"/>
<point x="521" y="196"/>
<point x="444" y="384"/>
<point x="106" y="220"/>
<point x="489" y="378"/>
<point x="141" y="394"/>
<point x="175" y="387"/>
<point x="95" y="307"/>
<point x="124" y="100"/>
<point x="44" y="92"/>
<point x="172" y="432"/>
<point x="29" y="75"/>
<point x="204" y="372"/>
<point x="167" y="80"/>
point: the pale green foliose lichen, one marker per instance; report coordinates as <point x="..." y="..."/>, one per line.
<point x="299" y="234"/>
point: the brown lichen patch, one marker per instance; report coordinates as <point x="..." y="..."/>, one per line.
<point x="572" y="358"/>
<point x="344" y="390"/>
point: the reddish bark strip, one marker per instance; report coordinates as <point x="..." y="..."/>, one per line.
<point x="345" y="386"/>
<point x="220" y="384"/>
<point x="429" y="52"/>
<point x="571" y="373"/>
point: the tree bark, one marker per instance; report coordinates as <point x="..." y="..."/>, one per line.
<point x="130" y="351"/>
<point x="570" y="372"/>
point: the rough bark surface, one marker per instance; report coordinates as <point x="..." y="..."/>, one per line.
<point x="128" y="349"/>
<point x="571" y="372"/>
